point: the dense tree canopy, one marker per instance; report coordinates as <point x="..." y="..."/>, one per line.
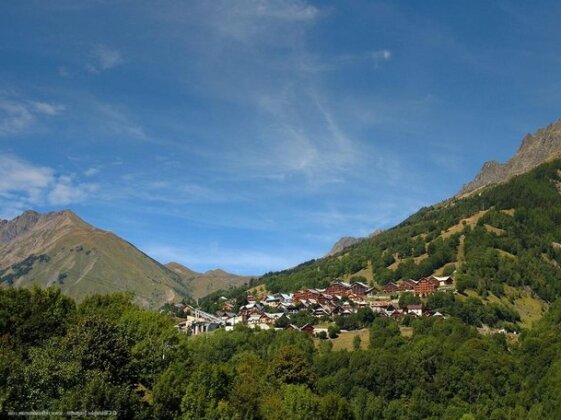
<point x="107" y="354"/>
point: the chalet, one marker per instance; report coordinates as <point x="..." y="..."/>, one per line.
<point x="325" y="297"/>
<point x="305" y="295"/>
<point x="287" y="308"/>
<point x="396" y="313"/>
<point x="390" y="288"/>
<point x="338" y="288"/>
<point x="416" y="310"/>
<point x="347" y="305"/>
<point x="267" y="319"/>
<point x="227" y="315"/>
<point x="425" y="286"/>
<point x="308" y="329"/>
<point x="286" y="297"/>
<point x="337" y="310"/>
<point x="379" y="306"/>
<point x="355" y="298"/>
<point x="443" y="281"/>
<point x="319" y="312"/>
<point x="272" y="300"/>
<point x="250" y="309"/>
<point x="254" y="320"/>
<point x="359" y="288"/>
<point x="407" y="285"/>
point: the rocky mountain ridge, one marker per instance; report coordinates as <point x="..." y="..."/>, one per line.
<point x="543" y="146"/>
<point x="348" y="241"/>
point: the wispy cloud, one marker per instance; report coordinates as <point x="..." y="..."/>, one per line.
<point x="104" y="58"/>
<point x="14" y="117"/>
<point x="47" y="108"/>
<point x="24" y="185"/>
<point x="244" y="21"/>
<point x="18" y="114"/>
<point x="376" y="56"/>
<point x="117" y="120"/>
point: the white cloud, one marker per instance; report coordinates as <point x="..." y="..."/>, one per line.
<point x="104" y="58"/>
<point x="380" y="55"/>
<point x="14" y="117"/>
<point x="92" y="171"/>
<point x="24" y="185"/>
<point x="65" y="191"/>
<point x="20" y="176"/>
<point x="377" y="57"/>
<point x="47" y="109"/>
<point x="17" y="115"/>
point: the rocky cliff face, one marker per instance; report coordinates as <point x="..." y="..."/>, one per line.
<point x="9" y="229"/>
<point x="543" y="146"/>
<point x="347" y="241"/>
<point x="343" y="243"/>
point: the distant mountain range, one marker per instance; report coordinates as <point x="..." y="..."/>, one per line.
<point x="202" y="284"/>
<point x="59" y="248"/>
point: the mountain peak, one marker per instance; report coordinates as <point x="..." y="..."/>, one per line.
<point x="343" y="243"/>
<point x="59" y="248"/>
<point x="347" y="241"/>
<point x="181" y="269"/>
<point x="217" y="271"/>
<point x="535" y="149"/>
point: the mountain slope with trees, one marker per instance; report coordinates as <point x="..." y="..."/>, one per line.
<point x="508" y="235"/>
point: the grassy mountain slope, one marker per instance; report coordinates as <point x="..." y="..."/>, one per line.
<point x="61" y="249"/>
<point x="507" y="235"/>
<point x="202" y="284"/>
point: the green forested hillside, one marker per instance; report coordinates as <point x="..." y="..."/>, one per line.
<point x="508" y="234"/>
<point x="106" y="354"/>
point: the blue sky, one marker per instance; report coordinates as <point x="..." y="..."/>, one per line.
<point x="252" y="134"/>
